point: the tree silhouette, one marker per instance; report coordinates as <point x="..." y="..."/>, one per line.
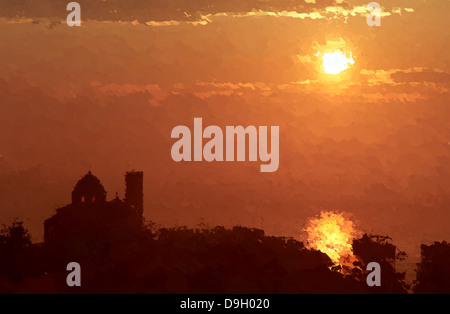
<point x="14" y="248"/>
<point x="217" y="260"/>
<point x="433" y="273"/>
<point x="379" y="249"/>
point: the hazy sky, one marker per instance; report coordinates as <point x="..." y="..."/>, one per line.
<point x="372" y="141"/>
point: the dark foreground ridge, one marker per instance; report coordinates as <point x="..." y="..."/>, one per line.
<point x="182" y="260"/>
<point x="118" y="253"/>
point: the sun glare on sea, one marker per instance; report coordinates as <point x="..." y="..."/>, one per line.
<point x="332" y="234"/>
<point x="336" y="62"/>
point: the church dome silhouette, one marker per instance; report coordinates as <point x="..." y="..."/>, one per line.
<point x="88" y="190"/>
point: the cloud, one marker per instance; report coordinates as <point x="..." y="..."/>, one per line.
<point x="412" y="76"/>
<point x="172" y="12"/>
<point x="151" y="10"/>
<point x="421" y="75"/>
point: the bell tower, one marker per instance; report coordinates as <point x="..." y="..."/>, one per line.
<point x="134" y="194"/>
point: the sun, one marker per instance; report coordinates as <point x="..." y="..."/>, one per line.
<point x="336" y="62"/>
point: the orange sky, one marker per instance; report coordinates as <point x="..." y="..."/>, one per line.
<point x="372" y="141"/>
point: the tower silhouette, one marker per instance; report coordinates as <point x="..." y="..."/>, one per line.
<point x="134" y="194"/>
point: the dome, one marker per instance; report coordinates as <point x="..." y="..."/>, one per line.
<point x="88" y="190"/>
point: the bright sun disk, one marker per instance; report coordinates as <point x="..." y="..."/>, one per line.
<point x="336" y="62"/>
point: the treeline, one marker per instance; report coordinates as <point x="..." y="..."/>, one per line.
<point x="218" y="260"/>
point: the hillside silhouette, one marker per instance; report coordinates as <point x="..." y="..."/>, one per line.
<point x="119" y="253"/>
<point x="180" y="260"/>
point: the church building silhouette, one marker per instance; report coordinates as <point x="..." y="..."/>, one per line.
<point x="90" y="216"/>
